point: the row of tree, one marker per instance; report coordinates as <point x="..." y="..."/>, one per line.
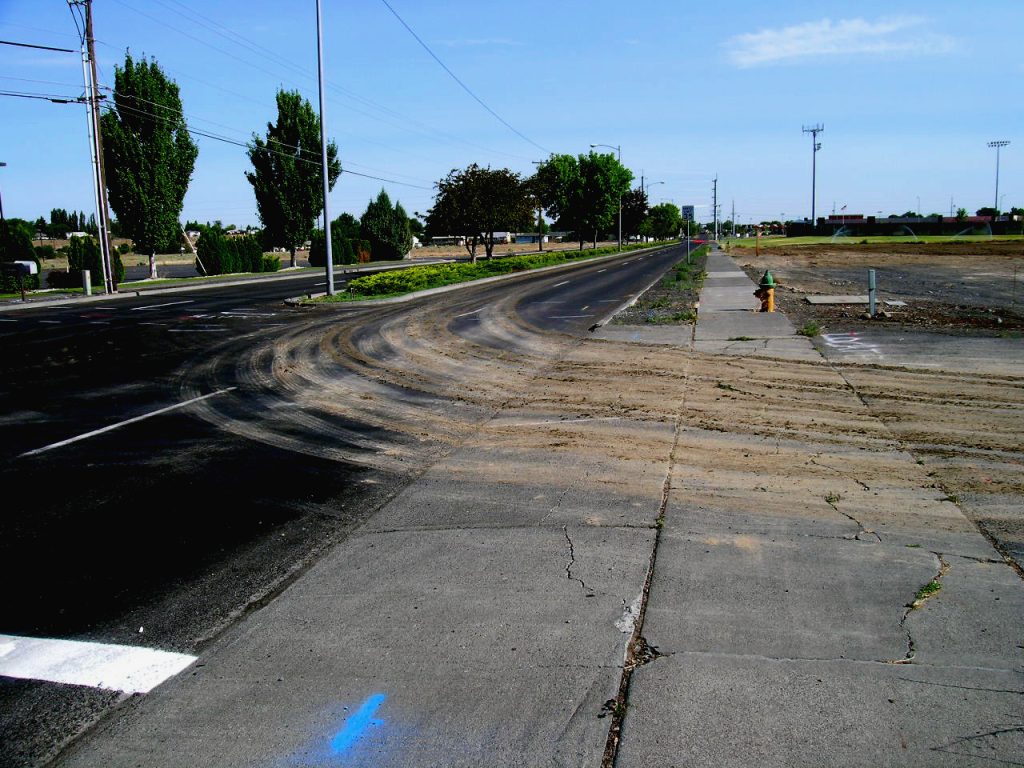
<point x="150" y="156"/>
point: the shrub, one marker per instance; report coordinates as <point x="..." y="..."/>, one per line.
<point x="124" y="248"/>
<point x="221" y="255"/>
<point x="45" y="252"/>
<point x="17" y="246"/>
<point x="270" y="263"/>
<point x="84" y="253"/>
<point x="342" y="250"/>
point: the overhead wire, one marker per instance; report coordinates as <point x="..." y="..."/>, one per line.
<point x="455" y="77"/>
<point x="391" y="117"/>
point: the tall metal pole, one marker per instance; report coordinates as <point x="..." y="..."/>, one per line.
<point x="329" y="266"/>
<point x="714" y="203"/>
<point x="815" y="146"/>
<point x="103" y="220"/>
<point x="998" y="145"/>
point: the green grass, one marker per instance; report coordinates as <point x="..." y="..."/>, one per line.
<point x="928" y="590"/>
<point x="775" y="242"/>
<point x="810" y="329"/>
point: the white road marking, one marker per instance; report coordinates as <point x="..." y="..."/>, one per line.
<point x="159" y="306"/>
<point x="7" y="320"/>
<point x="50" y="322"/>
<point x="124" y="423"/>
<point x="584" y="309"/>
<point x="109" y="309"/>
<point x="467" y="314"/>
<point x="197" y="330"/>
<point x="98" y="665"/>
<point x="602" y="270"/>
<point x="152" y="323"/>
<point x="564" y="282"/>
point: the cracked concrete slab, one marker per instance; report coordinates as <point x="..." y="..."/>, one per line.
<point x="782" y="596"/>
<point x="486" y="651"/>
<point x="720" y="710"/>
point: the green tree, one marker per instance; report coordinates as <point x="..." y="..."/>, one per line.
<point x="961" y="214"/>
<point x="583" y="192"/>
<point x="634" y="211"/>
<point x="16" y="245"/>
<point x="666" y="221"/>
<point x="386" y="227"/>
<point x="476" y="202"/>
<point x="287" y="174"/>
<point x="149" y="156"/>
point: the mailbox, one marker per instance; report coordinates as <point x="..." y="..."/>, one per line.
<point x="20" y="268"/>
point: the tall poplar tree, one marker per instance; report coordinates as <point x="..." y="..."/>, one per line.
<point x="286" y="176"/>
<point x="149" y="156"/>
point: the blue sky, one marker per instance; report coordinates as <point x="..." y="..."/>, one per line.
<point x="908" y="97"/>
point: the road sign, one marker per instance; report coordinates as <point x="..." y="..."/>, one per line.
<point x="687" y="212"/>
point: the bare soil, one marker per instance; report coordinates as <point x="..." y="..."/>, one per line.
<point x="963" y="288"/>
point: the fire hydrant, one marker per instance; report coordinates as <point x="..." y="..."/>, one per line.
<point x="766" y="292"/>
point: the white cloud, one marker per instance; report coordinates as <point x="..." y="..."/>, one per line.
<point x="901" y="35"/>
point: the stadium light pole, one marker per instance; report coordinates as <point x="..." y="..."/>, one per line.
<point x="998" y="145"/>
<point x="619" y="150"/>
<point x="815" y="146"/>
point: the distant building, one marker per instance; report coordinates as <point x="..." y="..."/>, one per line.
<point x="448" y="240"/>
<point x="530" y="237"/>
<point x="69" y="235"/>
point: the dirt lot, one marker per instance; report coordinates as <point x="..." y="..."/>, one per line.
<point x="974" y="288"/>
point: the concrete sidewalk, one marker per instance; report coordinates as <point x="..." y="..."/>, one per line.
<point x="728" y="321"/>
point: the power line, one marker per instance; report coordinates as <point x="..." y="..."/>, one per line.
<point x="39" y="47"/>
<point x="457" y="80"/>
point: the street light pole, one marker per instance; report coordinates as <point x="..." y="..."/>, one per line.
<point x="998" y="145"/>
<point x="619" y="150"/>
<point x="328" y="251"/>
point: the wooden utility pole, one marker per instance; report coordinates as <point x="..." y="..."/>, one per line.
<point x="103" y="222"/>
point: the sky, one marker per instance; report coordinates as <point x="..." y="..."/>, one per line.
<point x="909" y="95"/>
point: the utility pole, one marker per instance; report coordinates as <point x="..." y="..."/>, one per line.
<point x="732" y="218"/>
<point x="714" y="202"/>
<point x="328" y="251"/>
<point x="998" y="145"/>
<point x="96" y="146"/>
<point x="815" y="145"/>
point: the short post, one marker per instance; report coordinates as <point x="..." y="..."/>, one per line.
<point x="86" y="282"/>
<point x="872" y="290"/>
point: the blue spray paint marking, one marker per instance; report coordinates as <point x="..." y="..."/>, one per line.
<point x="357" y="724"/>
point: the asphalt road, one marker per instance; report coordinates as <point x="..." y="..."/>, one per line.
<point x="165" y="528"/>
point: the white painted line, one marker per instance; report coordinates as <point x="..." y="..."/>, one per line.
<point x="50" y="322"/>
<point x="97" y="665"/>
<point x="467" y="314"/>
<point x="111" y="309"/>
<point x="6" y="320"/>
<point x="564" y="282"/>
<point x="197" y="330"/>
<point x="159" y="306"/>
<point x="584" y="309"/>
<point x="152" y="323"/>
<point x="602" y="270"/>
<point x="124" y="423"/>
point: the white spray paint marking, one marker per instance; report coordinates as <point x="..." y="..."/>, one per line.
<point x="467" y="314"/>
<point x="124" y="423"/>
<point x="627" y="622"/>
<point x="564" y="282"/>
<point x="850" y="342"/>
<point x="158" y="306"/>
<point x="97" y="665"/>
<point x="602" y="270"/>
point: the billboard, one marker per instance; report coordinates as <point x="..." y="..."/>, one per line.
<point x="687" y="212"/>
